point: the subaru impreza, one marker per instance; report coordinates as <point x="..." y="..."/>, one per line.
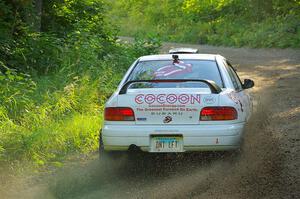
<point x="177" y="102"/>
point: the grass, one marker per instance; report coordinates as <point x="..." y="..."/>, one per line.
<point x="45" y="118"/>
<point x="53" y="124"/>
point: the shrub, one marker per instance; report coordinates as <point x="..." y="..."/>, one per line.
<point x="45" y="118"/>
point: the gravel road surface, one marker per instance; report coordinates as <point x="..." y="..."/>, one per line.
<point x="267" y="167"/>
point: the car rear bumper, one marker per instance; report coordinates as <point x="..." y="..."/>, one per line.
<point x="195" y="137"/>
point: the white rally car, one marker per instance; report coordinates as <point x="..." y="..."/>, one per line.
<point x="177" y="103"/>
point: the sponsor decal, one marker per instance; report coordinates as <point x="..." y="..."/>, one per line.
<point x="168" y="99"/>
<point x="209" y="100"/>
<point x="141" y="119"/>
<point x="167" y="119"/>
<point x="167" y="109"/>
<point x="167" y="113"/>
<point x="174" y="69"/>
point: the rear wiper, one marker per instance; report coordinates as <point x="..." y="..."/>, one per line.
<point x="214" y="88"/>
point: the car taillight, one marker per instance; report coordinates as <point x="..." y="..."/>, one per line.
<point x="119" y="114"/>
<point x="218" y="113"/>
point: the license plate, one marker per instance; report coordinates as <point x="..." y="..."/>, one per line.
<point x="167" y="144"/>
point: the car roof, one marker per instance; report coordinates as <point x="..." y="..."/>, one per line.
<point x="211" y="57"/>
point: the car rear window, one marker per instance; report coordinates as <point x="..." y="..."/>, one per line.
<point x="185" y="69"/>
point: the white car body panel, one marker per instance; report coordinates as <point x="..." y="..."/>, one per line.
<point x="185" y="111"/>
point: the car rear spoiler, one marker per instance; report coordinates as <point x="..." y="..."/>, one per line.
<point x="214" y="88"/>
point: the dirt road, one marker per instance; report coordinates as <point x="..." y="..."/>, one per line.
<point x="268" y="166"/>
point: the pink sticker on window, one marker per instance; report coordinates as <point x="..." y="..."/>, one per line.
<point x="174" y="69"/>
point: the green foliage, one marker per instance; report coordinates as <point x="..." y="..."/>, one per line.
<point x="68" y="16"/>
<point x="55" y="80"/>
<point x="64" y="24"/>
<point x="37" y="53"/>
<point x="45" y="118"/>
<point x="15" y="89"/>
<point x="253" y="23"/>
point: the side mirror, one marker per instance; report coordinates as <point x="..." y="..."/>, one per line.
<point x="248" y="83"/>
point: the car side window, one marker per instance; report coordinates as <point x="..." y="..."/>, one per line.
<point x="233" y="76"/>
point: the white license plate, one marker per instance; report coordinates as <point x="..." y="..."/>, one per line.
<point x="167" y="144"/>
